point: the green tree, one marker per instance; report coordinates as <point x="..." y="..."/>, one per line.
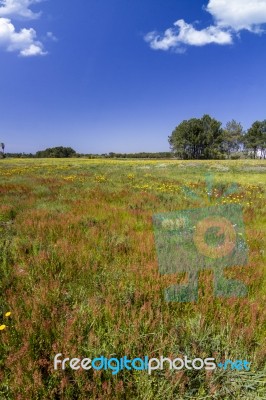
<point x="56" y="152"/>
<point x="255" y="139"/>
<point x="263" y="140"/>
<point x="198" y="139"/>
<point x="2" y="153"/>
<point x="232" y="137"/>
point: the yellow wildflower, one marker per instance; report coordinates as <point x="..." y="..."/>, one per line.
<point x="7" y="314"/>
<point x="2" y="327"/>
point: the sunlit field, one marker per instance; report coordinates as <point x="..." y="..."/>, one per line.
<point x="79" y="274"/>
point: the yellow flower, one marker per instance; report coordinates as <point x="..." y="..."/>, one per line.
<point x="2" y="327"/>
<point x="7" y="314"/>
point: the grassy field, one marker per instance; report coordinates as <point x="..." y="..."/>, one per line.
<point x="79" y="275"/>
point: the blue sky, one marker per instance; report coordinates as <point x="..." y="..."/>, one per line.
<point x="119" y="75"/>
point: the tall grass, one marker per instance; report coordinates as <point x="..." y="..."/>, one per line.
<point x="79" y="274"/>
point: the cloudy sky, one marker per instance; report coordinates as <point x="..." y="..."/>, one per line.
<point x="119" y="75"/>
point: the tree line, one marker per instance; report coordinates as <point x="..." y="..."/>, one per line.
<point x="68" y="152"/>
<point x="204" y="138"/>
<point x="196" y="138"/>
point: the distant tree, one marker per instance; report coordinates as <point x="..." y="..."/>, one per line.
<point x="255" y="139"/>
<point x="2" y="153"/>
<point x="158" y="155"/>
<point x="263" y="140"/>
<point x="232" y="137"/>
<point x="198" y="139"/>
<point x="56" y="152"/>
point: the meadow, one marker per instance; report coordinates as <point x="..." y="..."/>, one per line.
<point x="79" y="276"/>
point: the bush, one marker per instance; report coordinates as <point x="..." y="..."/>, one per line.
<point x="56" y="152"/>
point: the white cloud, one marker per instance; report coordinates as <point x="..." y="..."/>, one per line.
<point x="230" y="17"/>
<point x="23" y="41"/>
<point x="18" y="9"/>
<point x="238" y="14"/>
<point x="186" y="34"/>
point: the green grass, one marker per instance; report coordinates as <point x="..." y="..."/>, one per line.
<point x="79" y="273"/>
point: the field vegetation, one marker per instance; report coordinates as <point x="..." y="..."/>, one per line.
<point x="79" y="275"/>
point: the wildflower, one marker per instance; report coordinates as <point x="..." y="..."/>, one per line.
<point x="2" y="327"/>
<point x="7" y="314"/>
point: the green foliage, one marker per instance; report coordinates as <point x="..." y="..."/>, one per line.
<point x="2" y="153"/>
<point x="161" y="154"/>
<point x="205" y="139"/>
<point x="56" y="152"/>
<point x="255" y="139"/>
<point x="232" y="137"/>
<point x="19" y="155"/>
<point x="198" y="139"/>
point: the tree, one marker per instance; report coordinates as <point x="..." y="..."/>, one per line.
<point x="2" y="153"/>
<point x="198" y="138"/>
<point x="232" y="137"/>
<point x="56" y="152"/>
<point x="263" y="140"/>
<point x="255" y="139"/>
